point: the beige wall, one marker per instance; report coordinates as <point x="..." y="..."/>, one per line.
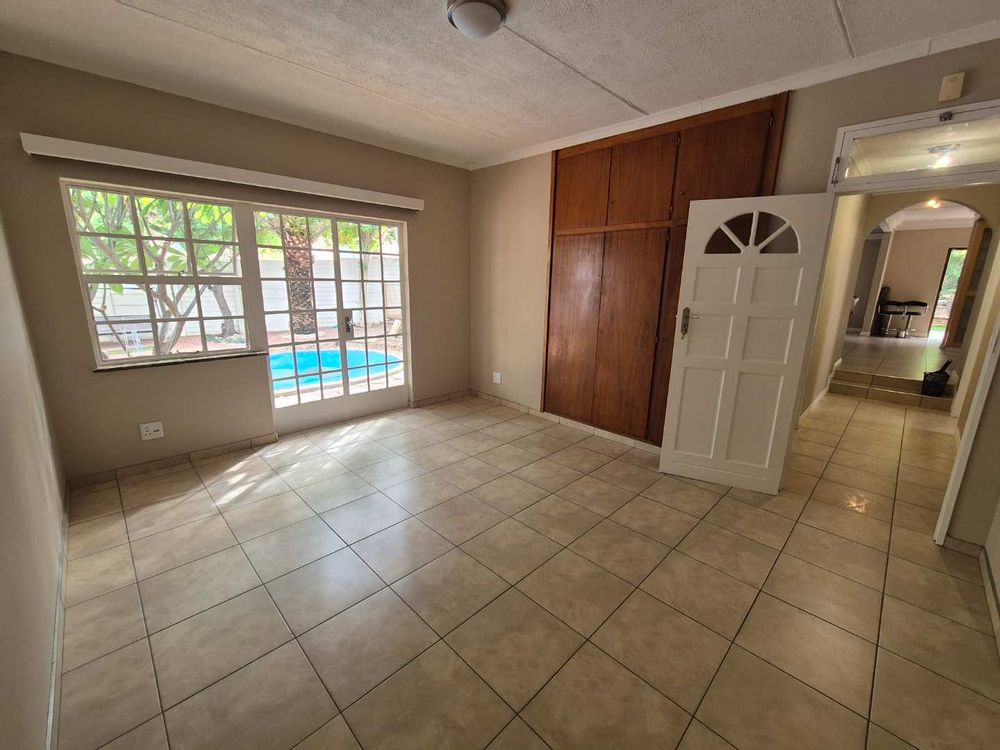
<point x="509" y="274"/>
<point x="833" y="306"/>
<point x="976" y="503"/>
<point x="95" y="416"/>
<point x="815" y="113"/>
<point x="31" y="531"/>
<point x="916" y="262"/>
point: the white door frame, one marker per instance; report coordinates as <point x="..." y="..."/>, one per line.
<point x="968" y="436"/>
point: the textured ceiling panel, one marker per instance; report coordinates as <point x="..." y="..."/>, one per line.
<point x="661" y="54"/>
<point x="879" y="24"/>
<point x="407" y="52"/>
<point x="394" y="73"/>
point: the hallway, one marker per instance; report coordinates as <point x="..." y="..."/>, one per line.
<point x="888" y="356"/>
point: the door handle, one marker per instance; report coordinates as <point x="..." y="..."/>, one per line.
<point x="686" y="317"/>
<point x="349" y="324"/>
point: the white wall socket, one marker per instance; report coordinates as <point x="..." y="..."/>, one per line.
<point x="151" y="430"/>
<point x="497" y="377"/>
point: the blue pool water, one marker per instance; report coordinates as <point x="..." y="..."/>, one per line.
<point x="309" y="364"/>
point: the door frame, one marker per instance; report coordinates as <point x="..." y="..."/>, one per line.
<point x="937" y="295"/>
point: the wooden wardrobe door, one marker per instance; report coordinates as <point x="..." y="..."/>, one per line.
<point x="721" y="160"/>
<point x="574" y="304"/>
<point x="968" y="284"/>
<point x="665" y="335"/>
<point x="642" y="180"/>
<point x="582" y="189"/>
<point x="626" y="337"/>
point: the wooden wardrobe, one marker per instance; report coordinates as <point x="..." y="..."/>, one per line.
<point x="620" y="208"/>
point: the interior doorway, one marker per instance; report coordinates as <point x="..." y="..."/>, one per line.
<point x="945" y="299"/>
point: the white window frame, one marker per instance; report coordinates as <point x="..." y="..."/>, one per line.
<point x="985" y="172"/>
<point x="192" y="278"/>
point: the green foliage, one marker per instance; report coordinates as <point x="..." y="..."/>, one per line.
<point x="160" y="217"/>
<point x="268" y="226"/>
<point x="390" y="240"/>
<point x="101" y="211"/>
<point x="952" y="272"/>
<point x="369" y="238"/>
<point x="210" y="221"/>
<point x="347" y="237"/>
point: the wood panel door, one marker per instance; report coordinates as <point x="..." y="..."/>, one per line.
<point x="642" y="180"/>
<point x="574" y="305"/>
<point x="723" y="159"/>
<point x="581" y="198"/>
<point x="626" y="334"/>
<point x="968" y="284"/>
<point x="665" y="335"/>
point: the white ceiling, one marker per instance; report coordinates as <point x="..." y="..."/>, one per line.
<point x="921" y="216"/>
<point x="394" y="73"/>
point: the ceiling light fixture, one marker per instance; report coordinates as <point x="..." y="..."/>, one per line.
<point x="477" y="19"/>
<point x="933" y="203"/>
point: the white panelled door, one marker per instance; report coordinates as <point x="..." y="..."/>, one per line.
<point x="747" y="296"/>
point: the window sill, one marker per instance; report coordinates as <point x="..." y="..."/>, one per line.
<point x="172" y="362"/>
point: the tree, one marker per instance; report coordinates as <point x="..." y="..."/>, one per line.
<point x="294" y="233"/>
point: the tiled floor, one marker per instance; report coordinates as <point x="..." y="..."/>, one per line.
<point x="899" y="358"/>
<point x="466" y="576"/>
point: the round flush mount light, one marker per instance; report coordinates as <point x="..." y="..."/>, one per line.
<point x="477" y="19"/>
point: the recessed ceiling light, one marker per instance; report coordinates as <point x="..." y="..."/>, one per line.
<point x="477" y="19"/>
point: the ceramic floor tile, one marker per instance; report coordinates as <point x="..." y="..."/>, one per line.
<point x="859" y="501"/>
<point x="94" y="502"/>
<point x="920" y="548"/>
<point x="107" y="697"/>
<point x="784" y="504"/>
<point x="473" y="443"/>
<point x="865" y="480"/>
<point x="627" y="475"/>
<point x="879" y="739"/>
<point x="469" y="473"/>
<point x="823" y="656"/>
<point x="624" y="552"/>
<point x="179" y="593"/>
<point x="193" y="654"/>
<point x="360" y="647"/>
<point x="434" y="703"/>
<point x="509" y="494"/>
<point x="579" y="458"/>
<point x="401" y="549"/>
<point x="461" y="518"/>
<point x="841" y="601"/>
<point x="310" y="471"/>
<point x="149" y="736"/>
<point x="449" y="589"/>
<point x="364" y="517"/>
<point x="548" y="475"/>
<point x="806" y="464"/>
<point x="760" y="525"/>
<point x="286" y="549"/>
<point x="407" y="442"/>
<point x="511" y="550"/>
<point x="754" y="706"/>
<point x="646" y="456"/>
<point x="598" y="444"/>
<point x="230" y="466"/>
<point x="596" y="495"/>
<point x="289" y="449"/>
<point x="655" y="520"/>
<point x="925" y="497"/>
<point x="435" y="456"/>
<point x="321" y="589"/>
<point x="273" y="702"/>
<point x="332" y="493"/>
<point x="682" y="496"/>
<point x="101" y="625"/>
<point x="594" y="703"/>
<point x="152" y="489"/>
<point x="390" y="472"/>
<point x="356" y="455"/>
<point x="334" y="735"/>
<point x="934" y="463"/>
<point x="95" y="535"/>
<point x="805" y="447"/>
<point x="857" y="527"/>
<point x="97" y="574"/>
<point x="576" y="591"/>
<point x="703" y="593"/>
<point x="168" y="514"/>
<point x="515" y="646"/>
<point x="672" y="652"/>
<point x="507" y="457"/>
<point x="797" y="483"/>
<point x="962" y="654"/>
<point x="914" y="517"/>
<point x="254" y="520"/>
<point x="818" y="436"/>
<point x="170" y="549"/>
<point x="885" y="467"/>
<point x="235" y="494"/>
<point x="936" y="592"/>
<point x="558" y="519"/>
<point x="929" y="711"/>
<point x="742" y="558"/>
<point x="838" y="555"/>
<point x="517" y="736"/>
<point x="924" y="477"/>
<point x="700" y="737"/>
<point x="424" y="492"/>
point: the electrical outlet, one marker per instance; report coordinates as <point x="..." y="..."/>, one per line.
<point x="151" y="430"/>
<point x="497" y="377"/>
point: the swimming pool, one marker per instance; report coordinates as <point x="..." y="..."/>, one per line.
<point x="309" y="364"/>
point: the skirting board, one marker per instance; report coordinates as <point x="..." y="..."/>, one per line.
<point x="992" y="600"/>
